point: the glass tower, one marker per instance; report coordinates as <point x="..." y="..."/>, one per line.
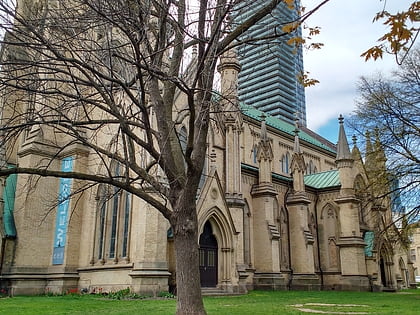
<point x="270" y="66"/>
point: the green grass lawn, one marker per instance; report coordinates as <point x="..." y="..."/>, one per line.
<point x="256" y="302"/>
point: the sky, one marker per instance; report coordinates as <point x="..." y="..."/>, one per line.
<point x="347" y="31"/>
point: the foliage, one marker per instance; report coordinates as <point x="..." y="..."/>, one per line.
<point x="256" y="302"/>
<point x="166" y="295"/>
<point x="402" y="32"/>
<point x="124" y="294"/>
<point x="389" y="110"/>
<point x="307" y="81"/>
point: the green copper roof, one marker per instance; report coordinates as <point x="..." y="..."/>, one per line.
<point x="323" y="180"/>
<point x="282" y="125"/>
<point x="255" y="169"/>
<point x="9" y="204"/>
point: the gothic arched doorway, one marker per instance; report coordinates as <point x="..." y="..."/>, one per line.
<point x="208" y="257"/>
<point x="385" y="267"/>
<point x="383" y="272"/>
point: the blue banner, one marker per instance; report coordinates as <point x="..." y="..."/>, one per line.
<point x="62" y="213"/>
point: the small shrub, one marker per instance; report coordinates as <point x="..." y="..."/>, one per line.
<point x="125" y="294"/>
<point x="166" y="295"/>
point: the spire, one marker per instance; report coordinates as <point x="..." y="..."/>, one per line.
<point x="296" y="147"/>
<point x="297" y="165"/>
<point x="355" y="152"/>
<point x="263" y="133"/>
<point x="368" y="143"/>
<point x="264" y="154"/>
<point x="229" y="58"/>
<point x="380" y="154"/>
<point x="370" y="156"/>
<point x="343" y="151"/>
<point x="354" y="139"/>
<point x="344" y="162"/>
<point x="229" y="68"/>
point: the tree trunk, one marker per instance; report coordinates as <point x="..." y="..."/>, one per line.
<point x="189" y="300"/>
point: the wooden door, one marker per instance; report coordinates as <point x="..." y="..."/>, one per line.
<point x="208" y="257"/>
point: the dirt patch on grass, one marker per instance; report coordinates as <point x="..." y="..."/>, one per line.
<point x="306" y="308"/>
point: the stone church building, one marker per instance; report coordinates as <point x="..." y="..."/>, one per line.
<point x="279" y="208"/>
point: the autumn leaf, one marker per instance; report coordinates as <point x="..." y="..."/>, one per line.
<point x="295" y="41"/>
<point x="373" y="53"/>
<point x="290" y="4"/>
<point x="305" y="80"/>
<point x="313" y="46"/>
<point x="402" y="32"/>
<point x="290" y="27"/>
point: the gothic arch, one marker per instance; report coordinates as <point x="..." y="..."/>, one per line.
<point x="403" y="273"/>
<point x="385" y="265"/>
<point x="285" y="163"/>
<point x="329" y="232"/>
<point x="284" y="240"/>
<point x="254" y="154"/>
<point x="224" y="232"/>
<point x="112" y="223"/>
<point x="359" y="183"/>
<point x="329" y="210"/>
<point x="360" y="191"/>
<point x="247" y="234"/>
<point x="312" y="225"/>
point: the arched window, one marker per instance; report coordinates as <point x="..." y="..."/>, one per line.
<point x="112" y="48"/>
<point x="360" y="192"/>
<point x="254" y="154"/>
<point x="285" y="163"/>
<point x="329" y="228"/>
<point x="284" y="240"/>
<point x="113" y="222"/>
<point x="311" y="168"/>
<point x="247" y="234"/>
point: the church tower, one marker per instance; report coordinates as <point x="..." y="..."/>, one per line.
<point x="350" y="242"/>
<point x="229" y="68"/>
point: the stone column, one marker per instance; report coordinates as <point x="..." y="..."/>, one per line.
<point x="301" y="238"/>
<point x="266" y="234"/>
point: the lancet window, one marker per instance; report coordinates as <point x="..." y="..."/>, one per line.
<point x="113" y="222"/>
<point x="285" y="161"/>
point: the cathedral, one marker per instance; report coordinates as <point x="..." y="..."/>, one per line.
<point x="279" y="208"/>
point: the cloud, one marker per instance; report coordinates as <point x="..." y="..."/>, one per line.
<point x="346" y="31"/>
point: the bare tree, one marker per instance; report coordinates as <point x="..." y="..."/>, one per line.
<point x="106" y="78"/>
<point x="388" y="110"/>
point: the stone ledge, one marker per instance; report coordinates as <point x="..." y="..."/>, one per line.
<point x="104" y="267"/>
